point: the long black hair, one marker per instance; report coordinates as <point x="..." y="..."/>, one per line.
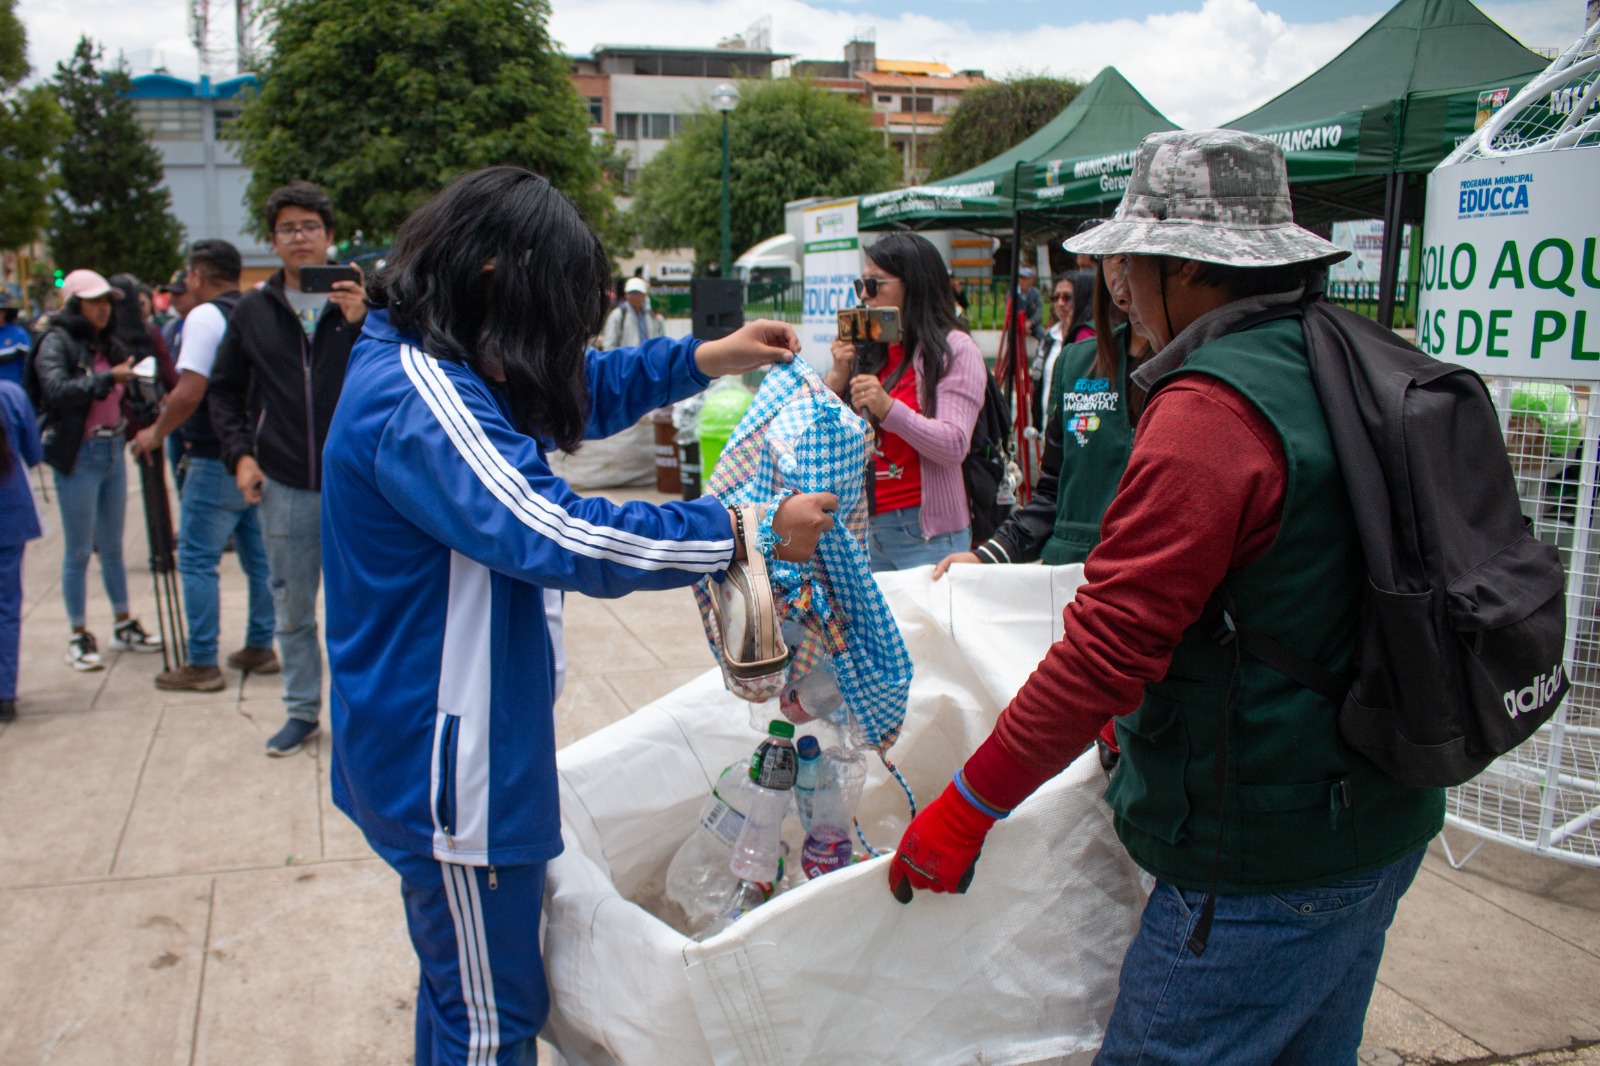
<point x="1082" y="314"/>
<point x="529" y="316"/>
<point x="927" y="314"/>
<point x="127" y="319"/>
<point x="72" y="319"/>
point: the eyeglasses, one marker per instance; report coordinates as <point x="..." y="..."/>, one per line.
<point x="867" y="288"/>
<point x="308" y="230"/>
<point x="1061" y="298"/>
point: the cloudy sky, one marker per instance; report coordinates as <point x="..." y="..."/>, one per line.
<point x="1199" y="61"/>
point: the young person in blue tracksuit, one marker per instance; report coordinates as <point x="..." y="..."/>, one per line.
<point x="447" y="545"/>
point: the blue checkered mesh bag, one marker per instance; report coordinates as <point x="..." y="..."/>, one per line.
<point x="798" y="436"/>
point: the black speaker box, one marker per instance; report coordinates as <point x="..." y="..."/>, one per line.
<point x="717" y="307"/>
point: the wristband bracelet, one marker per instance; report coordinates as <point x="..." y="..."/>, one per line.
<point x="738" y="532"/>
<point x="983" y="808"/>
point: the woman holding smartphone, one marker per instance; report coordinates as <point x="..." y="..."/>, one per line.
<point x="923" y="403"/>
<point x="81" y="368"/>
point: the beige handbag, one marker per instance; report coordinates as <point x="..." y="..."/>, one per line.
<point x="748" y="633"/>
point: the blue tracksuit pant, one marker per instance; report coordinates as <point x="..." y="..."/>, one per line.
<point x="482" y="998"/>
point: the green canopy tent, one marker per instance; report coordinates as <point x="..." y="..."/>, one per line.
<point x="1082" y="170"/>
<point x="1360" y="132"/>
<point x="1100" y="127"/>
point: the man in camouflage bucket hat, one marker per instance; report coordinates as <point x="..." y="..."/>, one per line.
<point x="1279" y="853"/>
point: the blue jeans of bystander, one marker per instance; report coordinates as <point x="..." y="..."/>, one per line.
<point x="10" y="617"/>
<point x="895" y="541"/>
<point x="1285" y="978"/>
<point x="291" y="526"/>
<point x="214" y="510"/>
<point x="93" y="498"/>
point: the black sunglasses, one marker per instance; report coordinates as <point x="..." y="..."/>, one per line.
<point x="867" y="288"/>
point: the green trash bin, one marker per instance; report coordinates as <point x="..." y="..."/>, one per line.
<point x="723" y="409"/>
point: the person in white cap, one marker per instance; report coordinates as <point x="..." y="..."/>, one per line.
<point x="78" y="374"/>
<point x="1279" y="852"/>
<point x="631" y="322"/>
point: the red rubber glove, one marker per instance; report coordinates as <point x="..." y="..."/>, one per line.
<point x="940" y="848"/>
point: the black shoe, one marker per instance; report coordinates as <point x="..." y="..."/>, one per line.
<point x="8" y="710"/>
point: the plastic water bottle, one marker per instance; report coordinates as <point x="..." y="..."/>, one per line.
<point x="815" y="695"/>
<point x="698" y="879"/>
<point x="772" y="769"/>
<point x="840" y="776"/>
<point x="805" y="777"/>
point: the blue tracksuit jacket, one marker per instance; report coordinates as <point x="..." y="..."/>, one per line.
<point x="447" y="543"/>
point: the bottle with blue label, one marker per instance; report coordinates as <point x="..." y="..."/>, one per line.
<point x="841" y="773"/>
<point x="805" y="778"/>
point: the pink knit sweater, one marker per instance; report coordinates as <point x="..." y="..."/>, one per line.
<point x="943" y="440"/>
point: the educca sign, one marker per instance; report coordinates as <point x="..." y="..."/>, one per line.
<point x="1511" y="266"/>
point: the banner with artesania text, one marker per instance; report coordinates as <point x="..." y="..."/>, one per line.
<point x="832" y="257"/>
<point x="1511" y="267"/>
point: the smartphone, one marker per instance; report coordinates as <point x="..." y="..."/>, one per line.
<point x="321" y="278"/>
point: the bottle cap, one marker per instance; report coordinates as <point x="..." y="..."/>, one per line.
<point x="779" y="728"/>
<point x="808" y="747"/>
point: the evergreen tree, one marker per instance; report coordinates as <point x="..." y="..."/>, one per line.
<point x="993" y="117"/>
<point x="382" y="105"/>
<point x="110" y="212"/>
<point x="31" y="127"/>
<point x="787" y="139"/>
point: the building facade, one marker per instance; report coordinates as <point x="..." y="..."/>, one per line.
<point x="190" y="124"/>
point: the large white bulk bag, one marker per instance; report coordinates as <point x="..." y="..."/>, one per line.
<point x="1022" y="969"/>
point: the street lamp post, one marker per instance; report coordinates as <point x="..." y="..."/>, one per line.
<point x="725" y="97"/>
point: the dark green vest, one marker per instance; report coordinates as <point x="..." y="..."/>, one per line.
<point x="1096" y="440"/>
<point x="1303" y="808"/>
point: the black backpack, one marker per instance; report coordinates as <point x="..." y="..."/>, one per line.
<point x="984" y="469"/>
<point x="1463" y="627"/>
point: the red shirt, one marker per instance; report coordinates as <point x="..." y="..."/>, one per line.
<point x="1202" y="496"/>
<point x="897" y="466"/>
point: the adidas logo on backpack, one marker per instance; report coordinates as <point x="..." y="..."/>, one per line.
<point x="1541" y="691"/>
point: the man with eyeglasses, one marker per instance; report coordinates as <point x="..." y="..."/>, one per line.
<point x="278" y="374"/>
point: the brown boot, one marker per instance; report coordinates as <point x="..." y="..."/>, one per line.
<point x="192" y="679"/>
<point x="254" y="660"/>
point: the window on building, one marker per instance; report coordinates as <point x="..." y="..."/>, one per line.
<point x="597" y="111"/>
<point x="169" y="120"/>
<point x="225" y="120"/>
<point x="885" y="99"/>
<point x="918" y="103"/>
<point x="652" y="127"/>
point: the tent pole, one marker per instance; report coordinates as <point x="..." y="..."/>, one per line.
<point x="1389" y="266"/>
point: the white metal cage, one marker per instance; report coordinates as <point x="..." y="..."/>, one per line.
<point x="1545" y="795"/>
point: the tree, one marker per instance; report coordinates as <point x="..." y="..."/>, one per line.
<point x="110" y="212"/>
<point x="382" y="105"/>
<point x="996" y="116"/>
<point x="31" y="126"/>
<point x="788" y="139"/>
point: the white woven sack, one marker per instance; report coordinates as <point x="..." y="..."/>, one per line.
<point x="1022" y="969"/>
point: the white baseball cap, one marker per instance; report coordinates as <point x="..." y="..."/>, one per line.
<point x="636" y="285"/>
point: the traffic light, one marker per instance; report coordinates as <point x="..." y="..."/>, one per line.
<point x="61" y="278"/>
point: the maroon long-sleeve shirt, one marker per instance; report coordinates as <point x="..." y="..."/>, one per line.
<point x="1202" y="496"/>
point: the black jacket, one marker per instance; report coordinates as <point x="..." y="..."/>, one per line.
<point x="266" y="359"/>
<point x="67" y="384"/>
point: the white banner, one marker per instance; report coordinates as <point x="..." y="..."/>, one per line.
<point x="1510" y="267"/>
<point x="832" y="257"/>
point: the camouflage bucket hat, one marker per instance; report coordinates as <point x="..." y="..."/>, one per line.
<point x="1219" y="196"/>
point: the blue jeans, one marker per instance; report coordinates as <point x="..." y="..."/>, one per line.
<point x="895" y="541"/>
<point x="1285" y="979"/>
<point x="10" y="617"/>
<point x="93" y="498"/>
<point x="214" y="510"/>
<point x="291" y="525"/>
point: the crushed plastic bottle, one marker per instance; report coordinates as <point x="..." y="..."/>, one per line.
<point x="816" y="695"/>
<point x="698" y="879"/>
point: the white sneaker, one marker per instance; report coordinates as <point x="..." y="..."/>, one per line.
<point x="83" y="653"/>
<point x="130" y="636"/>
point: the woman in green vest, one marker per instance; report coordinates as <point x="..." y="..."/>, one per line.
<point x="1088" y="436"/>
